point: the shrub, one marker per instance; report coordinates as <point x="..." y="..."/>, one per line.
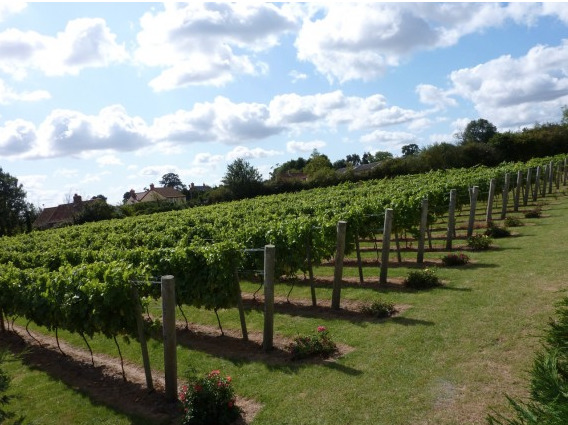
<point x="209" y="400"/>
<point x="495" y="231"/>
<point x="534" y="213"/>
<point x="455" y="260"/>
<point x="379" y="309"/>
<point x="422" y="279"/>
<point x="513" y="222"/>
<point x="479" y="242"/>
<point x="315" y="345"/>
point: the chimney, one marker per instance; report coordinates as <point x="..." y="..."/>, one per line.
<point x="151" y="186"/>
<point x="77" y="199"/>
<point x="132" y="194"/>
<point x="191" y="186"/>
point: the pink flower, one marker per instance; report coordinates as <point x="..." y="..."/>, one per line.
<point x="322" y="329"/>
<point x="229" y="379"/>
<point x="214" y="373"/>
<point x="197" y="388"/>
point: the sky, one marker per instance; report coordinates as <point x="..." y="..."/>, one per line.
<point x="102" y="98"/>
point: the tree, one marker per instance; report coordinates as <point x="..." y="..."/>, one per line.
<point x="564" y="120"/>
<point x="478" y="131"/>
<point x="381" y="156"/>
<point x="96" y="210"/>
<point x="319" y="168"/>
<point x="353" y="159"/>
<point x="411" y="149"/>
<point x="242" y="179"/>
<point x="172" y="180"/>
<point x="13" y="206"/>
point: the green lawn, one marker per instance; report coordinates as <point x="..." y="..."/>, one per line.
<point x="449" y="358"/>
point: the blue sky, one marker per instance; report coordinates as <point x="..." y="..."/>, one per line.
<point x="101" y="98"/>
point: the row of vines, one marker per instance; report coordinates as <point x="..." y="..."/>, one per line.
<point x="79" y="278"/>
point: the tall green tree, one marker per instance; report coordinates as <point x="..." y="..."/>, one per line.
<point x="478" y="131"/>
<point x="14" y="210"/>
<point x="411" y="149"/>
<point x="242" y="179"/>
<point x="172" y="180"/>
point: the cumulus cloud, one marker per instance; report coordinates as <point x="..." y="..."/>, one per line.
<point x="209" y="43"/>
<point x="84" y="43"/>
<point x="8" y="8"/>
<point x="16" y="137"/>
<point x="432" y="95"/>
<point x="206" y="158"/>
<point x="388" y="140"/>
<point x="361" y="41"/>
<point x="294" y="146"/>
<point x="67" y="132"/>
<point x="9" y="95"/>
<point x="110" y="159"/>
<point x="248" y="153"/>
<point x="517" y="91"/>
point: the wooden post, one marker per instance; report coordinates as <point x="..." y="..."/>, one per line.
<point x="386" y="245"/>
<point x="338" y="273"/>
<point x="242" y="316"/>
<point x="169" y="334"/>
<point x="528" y="187"/>
<point x="489" y="213"/>
<point x="550" y="177"/>
<point x="505" y="196"/>
<point x="2" y="328"/>
<point x="517" y="197"/>
<point x="565" y="171"/>
<point x="451" y="220"/>
<point x="269" y="267"/>
<point x="473" y="205"/>
<point x="311" y="270"/>
<point x="544" y="181"/>
<point x="536" y="183"/>
<point x="142" y="339"/>
<point x="558" y="174"/>
<point x="422" y="235"/>
<point x="359" y="262"/>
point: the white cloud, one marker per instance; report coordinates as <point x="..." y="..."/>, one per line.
<point x="361" y="41"/>
<point x="12" y="7"/>
<point x="16" y="137"/>
<point x="66" y="172"/>
<point x="109" y="160"/>
<point x="209" y="43"/>
<point x="248" y="153"/>
<point x="66" y="132"/>
<point x="91" y="178"/>
<point x="206" y="158"/>
<point x="512" y="92"/>
<point x="8" y="95"/>
<point x="297" y="76"/>
<point x="432" y="95"/>
<point x="84" y="43"/>
<point x="294" y="146"/>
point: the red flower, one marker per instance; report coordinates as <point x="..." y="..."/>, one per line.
<point x="230" y="404"/>
<point x="229" y="379"/>
<point x="322" y="328"/>
<point x="197" y="388"/>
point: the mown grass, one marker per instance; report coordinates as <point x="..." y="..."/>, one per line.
<point x="447" y="359"/>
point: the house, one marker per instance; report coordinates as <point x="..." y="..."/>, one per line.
<point x="61" y="215"/>
<point x="359" y="169"/>
<point x="195" y="188"/>
<point x="156" y="194"/>
<point x="292" y="176"/>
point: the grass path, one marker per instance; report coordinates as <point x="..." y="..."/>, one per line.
<point x="446" y="360"/>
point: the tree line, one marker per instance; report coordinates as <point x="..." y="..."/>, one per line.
<point x="478" y="144"/>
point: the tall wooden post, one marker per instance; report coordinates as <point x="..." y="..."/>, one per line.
<point x="550" y="177"/>
<point x="169" y="335"/>
<point x="528" y="187"/>
<point x="544" y="181"/>
<point x="451" y="220"/>
<point x="536" y="183"/>
<point x="473" y="206"/>
<point x="558" y="175"/>
<point x="359" y="261"/>
<point x="505" y="196"/>
<point x="565" y="171"/>
<point x="489" y="212"/>
<point x="516" y="199"/>
<point x="338" y="272"/>
<point x="269" y="267"/>
<point x="422" y="235"/>
<point x="386" y="245"/>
